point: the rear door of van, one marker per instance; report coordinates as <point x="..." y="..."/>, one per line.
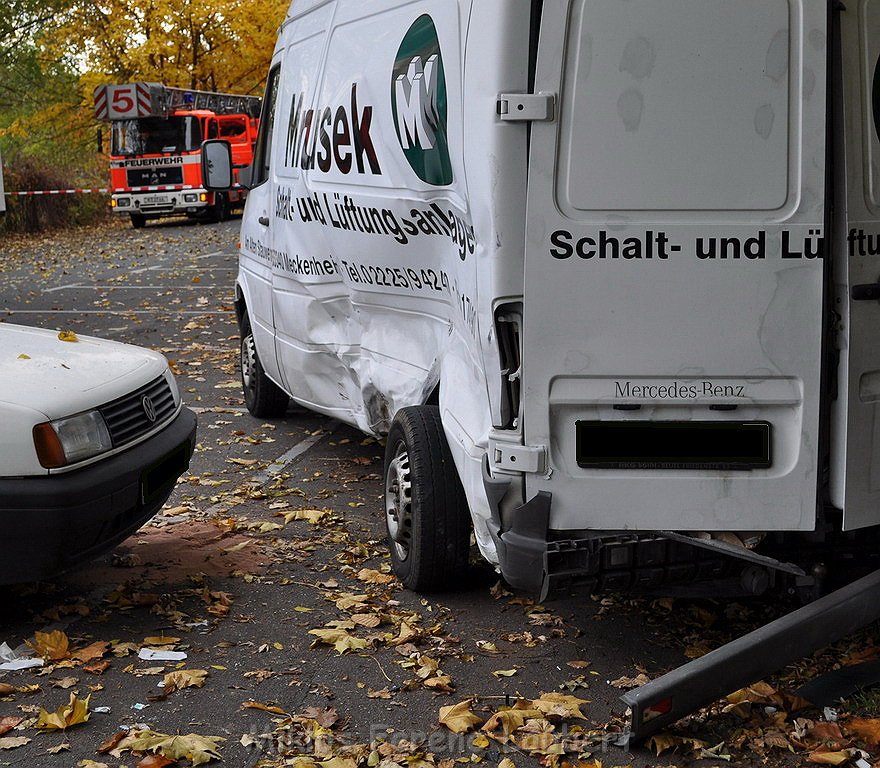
<point x="674" y="279"/>
<point x="855" y="457"/>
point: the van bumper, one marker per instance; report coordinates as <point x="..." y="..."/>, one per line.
<point x="535" y="559"/>
<point x="53" y="522"/>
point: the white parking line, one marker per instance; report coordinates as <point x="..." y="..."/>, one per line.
<point x="81" y="287"/>
<point x="122" y="312"/>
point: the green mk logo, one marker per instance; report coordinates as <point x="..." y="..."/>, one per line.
<point x="418" y="102"/>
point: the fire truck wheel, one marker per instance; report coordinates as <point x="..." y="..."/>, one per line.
<point x="138" y="220"/>
<point x="262" y="396"/>
<point x="426" y="511"/>
<point x="221" y="207"/>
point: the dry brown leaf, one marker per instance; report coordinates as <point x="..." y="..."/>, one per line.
<point x="560" y="705"/>
<point x="9" y="722"/>
<point x="458" y="718"/>
<point x="155" y="761"/>
<point x="110" y="744"/>
<point x="372" y="576"/>
<point x="264" y="707"/>
<point x="91" y="652"/>
<point x="13" y="742"/>
<point x="183" y="678"/>
<point x="193" y="747"/>
<point x="827" y="757"/>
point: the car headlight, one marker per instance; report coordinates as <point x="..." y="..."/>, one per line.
<point x="65" y="441"/>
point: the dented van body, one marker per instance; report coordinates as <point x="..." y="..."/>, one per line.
<point x="626" y="251"/>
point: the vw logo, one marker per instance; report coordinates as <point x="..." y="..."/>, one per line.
<point x="149" y="408"/>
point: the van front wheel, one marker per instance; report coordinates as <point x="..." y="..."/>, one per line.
<point x="262" y="396"/>
<point x="426" y="512"/>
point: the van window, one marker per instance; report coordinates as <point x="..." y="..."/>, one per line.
<point x="679" y="105"/>
<point x="262" y="152"/>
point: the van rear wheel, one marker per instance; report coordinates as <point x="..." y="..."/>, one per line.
<point x="138" y="220"/>
<point x="426" y="511"/>
<point x="262" y="396"/>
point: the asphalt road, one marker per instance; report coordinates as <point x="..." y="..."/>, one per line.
<point x="229" y="576"/>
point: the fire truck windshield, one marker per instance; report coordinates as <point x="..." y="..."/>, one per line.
<point x="156" y="135"/>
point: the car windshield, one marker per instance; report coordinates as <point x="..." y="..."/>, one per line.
<point x="155" y="135"/>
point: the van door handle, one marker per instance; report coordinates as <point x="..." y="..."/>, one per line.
<point x="264" y="220"/>
<point x="866" y="292"/>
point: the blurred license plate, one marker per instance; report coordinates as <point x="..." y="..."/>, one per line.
<point x="718" y="445"/>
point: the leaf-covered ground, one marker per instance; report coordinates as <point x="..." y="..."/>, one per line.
<point x="256" y="621"/>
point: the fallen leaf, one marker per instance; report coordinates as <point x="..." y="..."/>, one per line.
<point x="339" y="639"/>
<point x="23" y="356"/>
<point x="184" y="678"/>
<point x="12" y="742"/>
<point x="578" y="664"/>
<point x="160" y="640"/>
<point x="64" y="746"/>
<point x="65" y="682"/>
<point x="193" y="747"/>
<point x="52" y="646"/>
<point x="560" y="705"/>
<point x="458" y="718"/>
<point x="155" y="761"/>
<point x="372" y="576"/>
<point x="505" y="672"/>
<point x="67" y="336"/>
<point x="867" y="729"/>
<point x="625" y="683"/>
<point x="76" y="711"/>
<point x="823" y="757"/>
<point x="91" y="652"/>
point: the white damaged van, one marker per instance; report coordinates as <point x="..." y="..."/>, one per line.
<point x="606" y="272"/>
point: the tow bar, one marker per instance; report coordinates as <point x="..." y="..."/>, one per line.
<point x="749" y="658"/>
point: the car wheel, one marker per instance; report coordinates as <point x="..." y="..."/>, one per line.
<point x="263" y="397"/>
<point x="138" y="220"/>
<point x="426" y="511"/>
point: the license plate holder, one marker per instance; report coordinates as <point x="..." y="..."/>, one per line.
<point x="670" y="445"/>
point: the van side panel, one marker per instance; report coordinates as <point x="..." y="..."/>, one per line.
<point x="674" y="279"/>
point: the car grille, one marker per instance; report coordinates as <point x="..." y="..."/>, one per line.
<point x="127" y="418"/>
<point x="154" y="177"/>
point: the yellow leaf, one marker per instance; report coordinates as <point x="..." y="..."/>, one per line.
<point x="52" y="646"/>
<point x="481" y="741"/>
<point x="76" y="711"/>
<point x="23" y="356"/>
<point x="373" y="576"/>
<point x="458" y="718"/>
<point x="507" y="763"/>
<point x="867" y="729"/>
<point x="309" y="515"/>
<point x="67" y="336"/>
<point x="560" y="705"/>
<point x="505" y="672"/>
<point x="339" y="639"/>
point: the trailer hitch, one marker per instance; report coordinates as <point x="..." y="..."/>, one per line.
<point x="749" y="658"/>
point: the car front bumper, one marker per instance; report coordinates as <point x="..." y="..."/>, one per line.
<point x="52" y="522"/>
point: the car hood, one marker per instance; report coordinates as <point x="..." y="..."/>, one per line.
<point x="42" y="372"/>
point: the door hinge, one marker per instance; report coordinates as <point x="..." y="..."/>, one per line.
<point x="517" y="458"/>
<point x="539" y="107"/>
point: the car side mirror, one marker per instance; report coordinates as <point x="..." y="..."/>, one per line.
<point x="216" y="165"/>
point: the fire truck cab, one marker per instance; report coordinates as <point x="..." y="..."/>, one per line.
<point x="156" y="135"/>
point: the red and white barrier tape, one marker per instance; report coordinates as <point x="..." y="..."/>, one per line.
<point x="57" y="192"/>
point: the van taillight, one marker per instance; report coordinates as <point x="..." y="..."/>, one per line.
<point x="508" y="328"/>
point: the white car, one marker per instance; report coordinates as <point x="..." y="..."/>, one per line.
<point x="94" y="438"/>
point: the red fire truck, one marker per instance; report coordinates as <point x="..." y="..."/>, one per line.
<point x="155" y="147"/>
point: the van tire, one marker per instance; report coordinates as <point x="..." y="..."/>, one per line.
<point x="262" y="396"/>
<point x="426" y="512"/>
<point x="138" y="220"/>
